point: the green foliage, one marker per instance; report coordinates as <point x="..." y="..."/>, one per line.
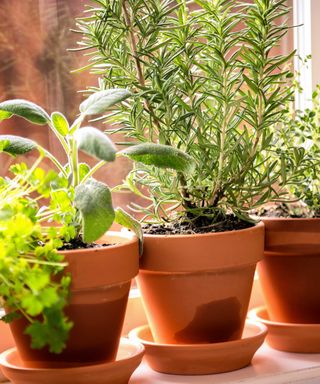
<point x="161" y="156"/>
<point x="123" y="218"/>
<point x="14" y="145"/>
<point x="60" y="123"/>
<point x="206" y="81"/>
<point x="95" y="143"/>
<point x="300" y="136"/>
<point x="93" y="199"/>
<point x="100" y="102"/>
<point x="29" y="259"/>
<point x="82" y="202"/>
<point x="25" y="109"/>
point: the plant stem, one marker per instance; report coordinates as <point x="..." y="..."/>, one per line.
<point x="74" y="162"/>
<point x="60" y="138"/>
<point x="41" y="262"/>
<point x="23" y="182"/>
<point x="54" y="160"/>
<point x="184" y="191"/>
<point x="93" y="170"/>
<point x="218" y="190"/>
<point x="141" y="78"/>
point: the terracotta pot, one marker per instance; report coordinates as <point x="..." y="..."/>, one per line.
<point x="101" y="280"/>
<point x="290" y="271"/>
<point x="6" y="340"/>
<point x="196" y="288"/>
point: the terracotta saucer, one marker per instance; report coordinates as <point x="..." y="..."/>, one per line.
<point x="117" y="372"/>
<point x="201" y="359"/>
<point x="289" y="337"/>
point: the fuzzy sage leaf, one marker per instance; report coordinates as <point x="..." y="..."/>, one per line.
<point x="101" y="101"/>
<point x="161" y="156"/>
<point x="16" y="145"/>
<point x="93" y="199"/>
<point x="93" y="142"/>
<point x="60" y="123"/>
<point x="123" y="218"/>
<point x="24" y="109"/>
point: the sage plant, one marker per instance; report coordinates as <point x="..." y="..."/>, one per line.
<point x="84" y="203"/>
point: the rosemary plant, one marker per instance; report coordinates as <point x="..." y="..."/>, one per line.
<point x="206" y="81"/>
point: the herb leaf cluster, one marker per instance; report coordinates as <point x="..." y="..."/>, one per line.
<point x="84" y="204"/>
<point x="300" y="136"/>
<point x="29" y="259"/>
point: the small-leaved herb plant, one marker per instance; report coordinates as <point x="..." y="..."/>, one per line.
<point x="207" y="80"/>
<point x="29" y="258"/>
<point x="74" y="206"/>
<point x="300" y="135"/>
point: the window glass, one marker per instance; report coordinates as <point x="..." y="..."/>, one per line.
<point x="35" y="65"/>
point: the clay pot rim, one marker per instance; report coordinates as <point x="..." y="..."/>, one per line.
<point x="138" y="352"/>
<point x="99" y="267"/>
<point x="301" y="219"/>
<point x="134" y="335"/>
<point x="126" y="236"/>
<point x="254" y="314"/>
<point x="172" y="253"/>
<point x="208" y="234"/>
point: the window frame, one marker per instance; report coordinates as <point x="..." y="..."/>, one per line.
<point x="306" y="42"/>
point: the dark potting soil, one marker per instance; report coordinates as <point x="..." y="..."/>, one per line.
<point x="186" y="227"/>
<point x="293" y="211"/>
<point x="77" y="243"/>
